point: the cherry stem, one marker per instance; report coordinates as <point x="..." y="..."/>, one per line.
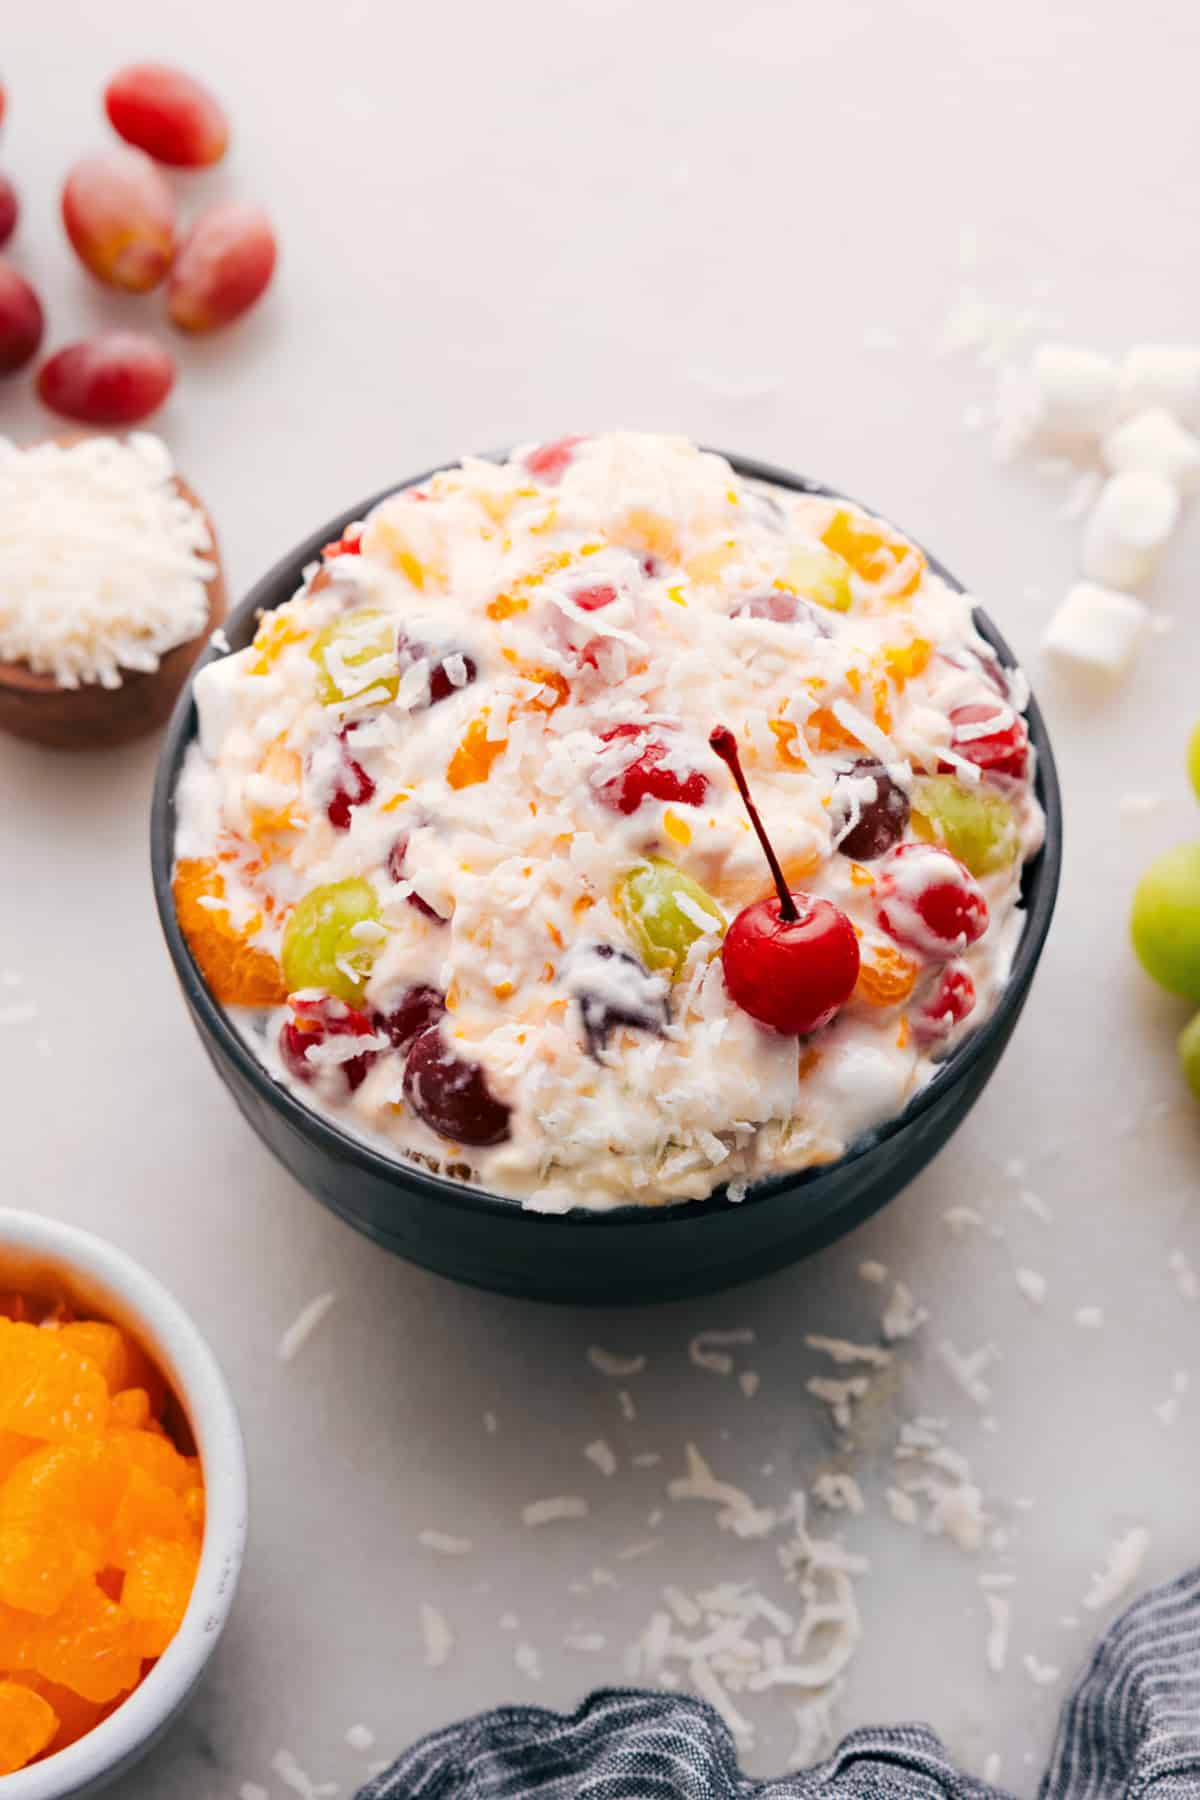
<point x="722" y="741"/>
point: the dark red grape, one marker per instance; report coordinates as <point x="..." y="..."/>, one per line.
<point x="354" y="787"/>
<point x="395" y="869"/>
<point x="882" y="820"/>
<point x="451" y="1095"/>
<point x="21" y="320"/>
<point x="9" y="209"/>
<point x="645" y="778"/>
<point x="614" y="988"/>
<point x="408" y="652"/>
<point x="417" y="1009"/>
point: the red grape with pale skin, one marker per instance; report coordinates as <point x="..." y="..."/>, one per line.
<point x="1001" y="750"/>
<point x="22" y="321"/>
<point x="114" y="378"/>
<point x="952" y="1001"/>
<point x="549" y="461"/>
<point x="451" y="1095"/>
<point x="224" y="265"/>
<point x="313" y="1021"/>
<point x="119" y="214"/>
<point x="168" y="114"/>
<point x="354" y="787"/>
<point x="9" y="209"/>
<point x="791" y="961"/>
<point x="395" y="868"/>
<point x="926" y="901"/>
<point x="645" y="778"/>
<point x="782" y="608"/>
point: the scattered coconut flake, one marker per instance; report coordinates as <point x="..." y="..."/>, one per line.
<point x="490" y="1423"/>
<point x="550" y="1511"/>
<point x="840" y="1350"/>
<point x="902" y="1316"/>
<point x="1090" y="1317"/>
<point x="1033" y="1203"/>
<point x="303" y="1326"/>
<point x="991" y="1767"/>
<point x="444" y="1544"/>
<point x="439" y="1639"/>
<point x="999" y="1613"/>
<point x="967" y="1369"/>
<point x="601" y="1453"/>
<point x="628" y="1409"/>
<point x="1138" y="805"/>
<point x="1121" y="1565"/>
<point x="647" y="1459"/>
<point x="1032" y="1285"/>
<point x="961" y="1219"/>
<point x="284" y="1764"/>
<point x="528" y="1661"/>
<point x="20" y="1012"/>
<point x="589" y="1642"/>
<point x="902" y="1506"/>
<point x="875" y="1272"/>
<point x="702" y="1351"/>
<point x="749" y="1381"/>
<point x="1040" y="1673"/>
<point x="643" y="1547"/>
<point x="510" y="1622"/>
<point x="1185" y="1276"/>
<point x="838" y="1491"/>
<point x="607" y="1362"/>
<point x="360" y="1738"/>
<point x="839" y="1396"/>
<point x="738" y="1512"/>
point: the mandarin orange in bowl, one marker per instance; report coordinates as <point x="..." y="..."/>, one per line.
<point x="122" y="1509"/>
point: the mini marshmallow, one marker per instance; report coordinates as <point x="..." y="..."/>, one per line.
<point x="1076" y="390"/>
<point x="1097" y="629"/>
<point x="1155" y="443"/>
<point x="1130" y="522"/>
<point x="1166" y="375"/>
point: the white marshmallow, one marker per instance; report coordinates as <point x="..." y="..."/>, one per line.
<point x="1076" y="389"/>
<point x="1130" y="522"/>
<point x="1097" y="629"/>
<point x="1165" y="375"/>
<point x="1155" y="443"/>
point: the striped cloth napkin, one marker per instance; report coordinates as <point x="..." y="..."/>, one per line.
<point x="1131" y="1731"/>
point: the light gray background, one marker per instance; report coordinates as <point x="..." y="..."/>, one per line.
<point x="504" y="221"/>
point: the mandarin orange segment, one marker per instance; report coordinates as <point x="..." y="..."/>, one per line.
<point x="27" y="1724"/>
<point x="643" y="529"/>
<point x="119" y="1357"/>
<point x="131" y="1407"/>
<point x="47" y="1389"/>
<point x="76" y="1716"/>
<point x="14" y="1448"/>
<point x="237" y="973"/>
<point x="885" y="976"/>
<point x="156" y="1456"/>
<point x="147" y="1510"/>
<point x="906" y="661"/>
<point x="473" y="759"/>
<point x="194" y="1509"/>
<point x="90" y="1645"/>
<point x="158" y="1586"/>
<point x="875" y="552"/>
<point x="55" y="1511"/>
<point x="277" y="631"/>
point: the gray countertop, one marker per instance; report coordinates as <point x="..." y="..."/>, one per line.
<point x="749" y="225"/>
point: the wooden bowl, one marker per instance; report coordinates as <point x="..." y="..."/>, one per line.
<point x="91" y="717"/>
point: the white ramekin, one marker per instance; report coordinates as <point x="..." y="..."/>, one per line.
<point x="103" y="1280"/>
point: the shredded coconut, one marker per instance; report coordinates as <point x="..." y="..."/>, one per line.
<point x="1120" y="1571"/>
<point x="303" y="1326"/>
<point x="609" y="1363"/>
<point x="559" y="1506"/>
<point x="439" y="1639"/>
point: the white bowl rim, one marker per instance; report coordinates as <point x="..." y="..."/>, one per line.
<point x="202" y="1389"/>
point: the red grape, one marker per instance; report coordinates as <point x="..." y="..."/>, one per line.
<point x="1002" y="749"/>
<point x="120" y="218"/>
<point x="395" y="869"/>
<point x="168" y="114"/>
<point x="224" y="264"/>
<point x="928" y="902"/>
<point x="313" y="1021"/>
<point x="9" y="209"/>
<point x="952" y="1001"/>
<point x="21" y="320"/>
<point x="408" y="652"/>
<point x="417" y="1009"/>
<point x="882" y="820"/>
<point x="614" y="988"/>
<point x="354" y="787"/>
<point x="451" y="1095"/>
<point x="550" y="460"/>
<point x="782" y="608"/>
<point x="114" y="378"/>
<point x="645" y="778"/>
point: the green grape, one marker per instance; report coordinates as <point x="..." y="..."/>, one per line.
<point x="1189" y="1054"/>
<point x="647" y="900"/>
<point x="319" y="949"/>
<point x="1193" y="760"/>
<point x="1165" y="922"/>
<point x="362" y="638"/>
<point x="975" y="824"/>
<point x="822" y="576"/>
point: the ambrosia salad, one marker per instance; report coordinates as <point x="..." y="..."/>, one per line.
<point x="462" y="851"/>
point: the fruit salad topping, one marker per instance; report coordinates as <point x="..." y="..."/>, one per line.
<point x="456" y="845"/>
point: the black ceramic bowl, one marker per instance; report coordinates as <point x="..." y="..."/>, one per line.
<point x="635" y="1253"/>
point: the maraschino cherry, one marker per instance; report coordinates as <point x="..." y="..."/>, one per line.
<point x="791" y="960"/>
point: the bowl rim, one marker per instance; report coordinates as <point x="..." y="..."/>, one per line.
<point x="201" y="1388"/>
<point x="1040" y="881"/>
